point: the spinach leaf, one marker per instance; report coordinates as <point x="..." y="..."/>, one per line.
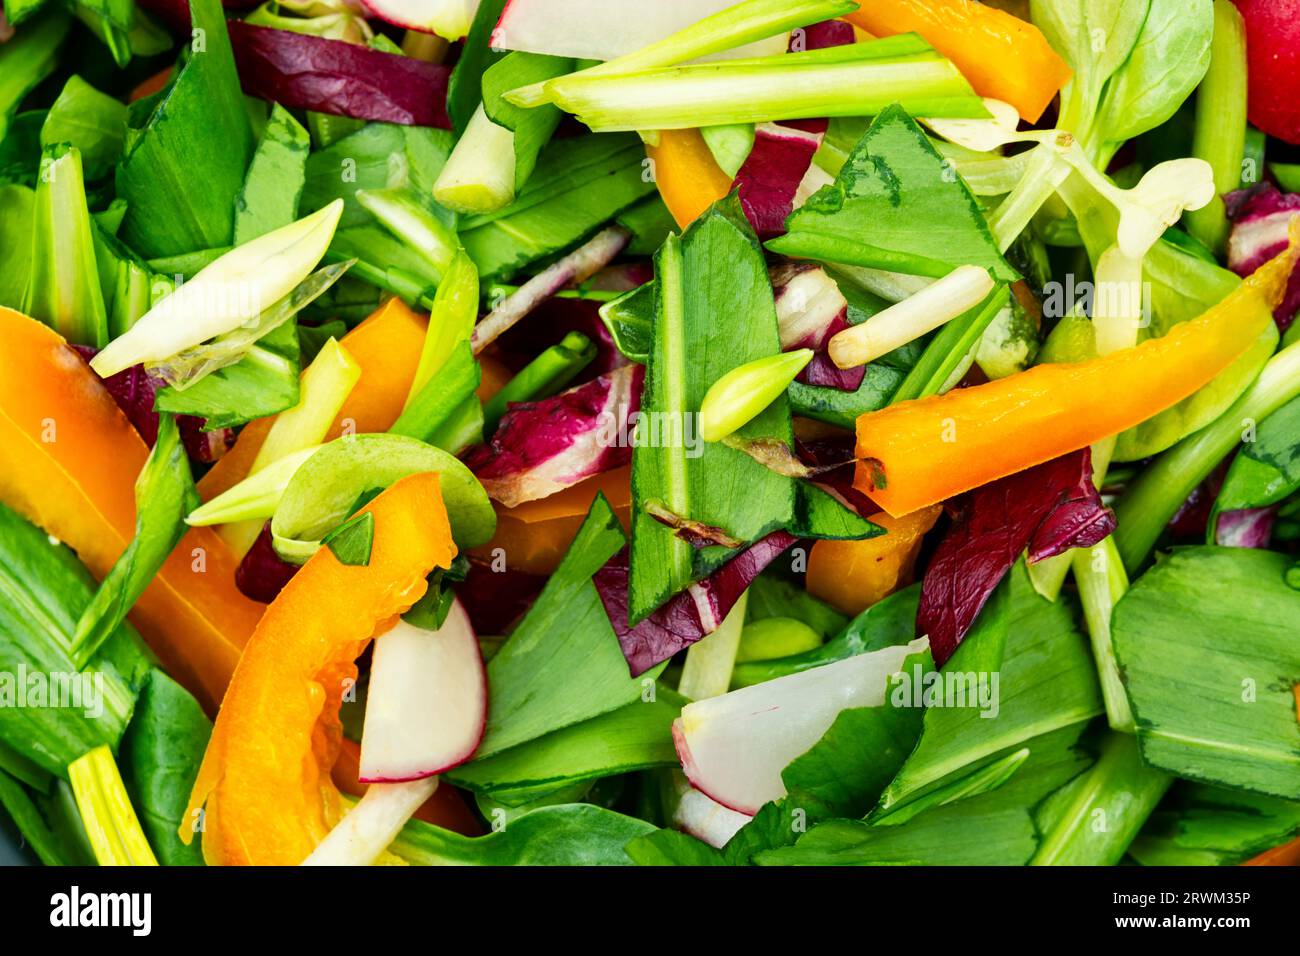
<point x="43" y="590"/>
<point x="164" y="495"/>
<point x="161" y="752"/>
<point x="198" y="133"/>
<point x="1206" y="645"/>
<point x="564" y="642"/>
<point x="574" y="834"/>
<point x="92" y="121"/>
<point x="895" y="205"/>
<point x="1268" y="469"/>
<point x="27" y="58"/>
<point x="273" y="186"/>
<point x="1200" y="825"/>
<point x="637" y="736"/>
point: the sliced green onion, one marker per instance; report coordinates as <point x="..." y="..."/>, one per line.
<point x="63" y="290"/>
<point x="730" y="28"/>
<point x="856" y="80"/>
<point x="542" y="377"/>
<point x="253" y="498"/>
<point x="229" y="294"/>
<point x="1219" y="135"/>
<point x="480" y="173"/>
<point x="1099" y="573"/>
<point x="451" y="319"/>
<point x="740" y="395"/>
<point x="942" y="300"/>
<point x="111" y="824"/>
<point x="410" y="220"/>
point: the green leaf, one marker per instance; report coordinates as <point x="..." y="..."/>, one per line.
<point x="27" y="58"/>
<point x="1268" y="469"/>
<point x="92" y="121"/>
<point x="43" y="590"/>
<point x="895" y="205"/>
<point x="771" y="596"/>
<point x="198" y="133"/>
<point x="324" y="491"/>
<point x="636" y="736"/>
<point x="16" y="206"/>
<point x="630" y="319"/>
<point x="565" y="641"/>
<point x="63" y="290"/>
<point x="1199" y="825"/>
<point x="532" y="127"/>
<point x="714" y="313"/>
<point x="126" y="282"/>
<point x="845" y="772"/>
<point x="164" y="495"/>
<point x="579" y="183"/>
<point x="263" y="382"/>
<point x="464" y="88"/>
<point x="161" y="752"/>
<point x="49" y="823"/>
<point x="351" y="541"/>
<point x="956" y="341"/>
<point x="1046" y="682"/>
<point x="575" y="834"/>
<point x="543" y="377"/>
<point x="650" y="222"/>
<point x="273" y="186"/>
<point x="1206" y="645"/>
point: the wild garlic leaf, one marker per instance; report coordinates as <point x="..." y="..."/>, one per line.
<point x="896" y="205"/>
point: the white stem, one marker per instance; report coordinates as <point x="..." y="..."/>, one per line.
<point x="962" y="289"/>
<point x="480" y="173"/>
<point x="370" y="826"/>
<point x="707" y="671"/>
<point x="577" y="266"/>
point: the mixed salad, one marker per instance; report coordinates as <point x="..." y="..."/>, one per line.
<point x="696" y="432"/>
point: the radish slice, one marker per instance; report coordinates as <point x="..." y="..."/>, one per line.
<point x="370" y="826"/>
<point x="734" y="747"/>
<point x="427" y="703"/>
<point x="605" y="29"/>
<point x="450" y="19"/>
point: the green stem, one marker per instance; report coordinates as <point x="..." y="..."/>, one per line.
<point x="1099" y="573"/>
<point x="1219" y="136"/>
<point x="1153" y="498"/>
<point x="111" y="824"/>
<point x="542" y="377"/>
<point x="1105" y="810"/>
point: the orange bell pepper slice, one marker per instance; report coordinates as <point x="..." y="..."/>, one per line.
<point x="69" y="459"/>
<point x="535" y="535"/>
<point x="446" y="808"/>
<point x="922" y="452"/>
<point x="265" y="777"/>
<point x="851" y="576"/>
<point x="1288" y="854"/>
<point x="1001" y="55"/>
<point x="387" y="346"/>
<point x="689" y="179"/>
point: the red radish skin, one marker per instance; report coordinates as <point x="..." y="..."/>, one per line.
<point x="407" y="684"/>
<point x="693" y="774"/>
<point x="1273" y="64"/>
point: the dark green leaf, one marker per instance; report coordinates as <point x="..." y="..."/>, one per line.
<point x="1200" y="825"/>
<point x="92" y="121"/>
<point x="351" y="541"/>
<point x="464" y="88"/>
<point x="532" y="127"/>
<point x="269" y="198"/>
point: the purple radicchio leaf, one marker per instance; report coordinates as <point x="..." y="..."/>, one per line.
<point x="544" y="447"/>
<point x="686" y="617"/>
<point x="1245" y="527"/>
<point x="1048" y="509"/>
<point x="810" y="310"/>
<point x="1260" y="217"/>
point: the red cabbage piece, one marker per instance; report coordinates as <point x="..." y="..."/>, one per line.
<point x="819" y="36"/>
<point x="689" y="616"/>
<point x="544" y="447"/>
<point x="1245" y="527"/>
<point x="1260" y="217"/>
<point x="551" y="322"/>
<point x="262" y="575"/>
<point x="810" y="311"/>
<point x="135" y="393"/>
<point x="770" y="176"/>
<point x="1193" y="515"/>
<point x="1048" y="509"/>
<point x="494" y="600"/>
<point x="345" y="79"/>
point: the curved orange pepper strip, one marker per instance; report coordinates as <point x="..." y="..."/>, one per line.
<point x="535" y="535"/>
<point x="69" y="459"/>
<point x="689" y="179"/>
<point x="265" y="776"/>
<point x="851" y="576"/>
<point x="1001" y="55"/>
<point x="1288" y="854"/>
<point x="932" y="449"/>
<point x="387" y="347"/>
